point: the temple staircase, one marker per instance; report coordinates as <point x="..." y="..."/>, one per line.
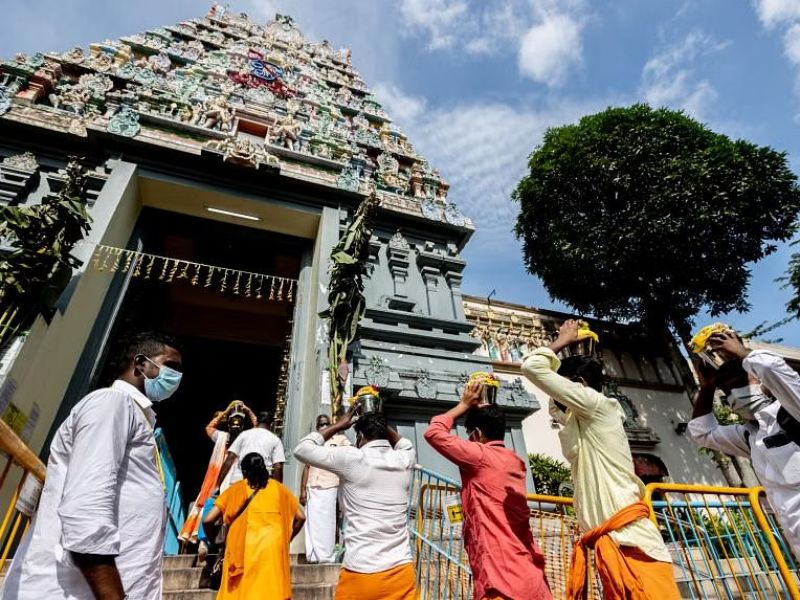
<point x="309" y="582"/>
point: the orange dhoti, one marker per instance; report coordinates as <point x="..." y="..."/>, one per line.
<point x="399" y="583"/>
<point x="626" y="573"/>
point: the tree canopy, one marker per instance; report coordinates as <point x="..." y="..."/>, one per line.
<point x="641" y="213"/>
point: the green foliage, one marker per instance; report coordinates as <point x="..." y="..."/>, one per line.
<point x="640" y="213"/>
<point x="346" y="303"/>
<point x="39" y="266"/>
<point x="548" y="474"/>
<point x="792" y="280"/>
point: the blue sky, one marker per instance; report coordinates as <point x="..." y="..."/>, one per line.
<point x="476" y="83"/>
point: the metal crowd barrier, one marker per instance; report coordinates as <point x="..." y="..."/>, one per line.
<point x="435" y="526"/>
<point x="19" y="461"/>
<point x="725" y="542"/>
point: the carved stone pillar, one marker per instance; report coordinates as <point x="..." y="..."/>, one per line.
<point x="454" y="279"/>
<point x="398" y="254"/>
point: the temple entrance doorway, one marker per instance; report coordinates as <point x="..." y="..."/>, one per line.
<point x="205" y="288"/>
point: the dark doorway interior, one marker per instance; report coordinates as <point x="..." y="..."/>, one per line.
<point x="217" y="372"/>
<point x="232" y="344"/>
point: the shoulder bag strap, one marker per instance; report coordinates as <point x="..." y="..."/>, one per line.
<point x="244" y="506"/>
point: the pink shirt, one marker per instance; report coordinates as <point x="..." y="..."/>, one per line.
<point x="497" y="534"/>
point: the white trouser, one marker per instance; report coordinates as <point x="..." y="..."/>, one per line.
<point x="320" y="524"/>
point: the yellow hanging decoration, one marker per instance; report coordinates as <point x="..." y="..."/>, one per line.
<point x="173" y="271"/>
<point x="141" y="264"/>
<point x="118" y="253"/>
<point x="236" y="283"/>
<point x="129" y="259"/>
<point x="150" y="267"/>
<point x="164" y="271"/>
<point x="137" y="269"/>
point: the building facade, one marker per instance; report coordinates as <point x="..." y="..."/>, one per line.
<point x="224" y="159"/>
<point x="646" y="373"/>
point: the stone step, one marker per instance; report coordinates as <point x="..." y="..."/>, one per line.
<point x="305" y="591"/>
<point x="184" y="561"/>
<point x="189" y="577"/>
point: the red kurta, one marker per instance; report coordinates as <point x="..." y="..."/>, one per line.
<point x="497" y="535"/>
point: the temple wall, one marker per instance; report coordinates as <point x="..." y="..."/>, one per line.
<point x="45" y="367"/>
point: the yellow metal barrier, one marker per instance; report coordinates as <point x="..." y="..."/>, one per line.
<point x="724" y="544"/>
<point x="15" y="523"/>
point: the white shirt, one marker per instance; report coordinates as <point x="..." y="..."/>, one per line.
<point x="103" y="494"/>
<point x="257" y="440"/>
<point x="375" y="482"/>
<point x="594" y="442"/>
<point x="778" y="469"/>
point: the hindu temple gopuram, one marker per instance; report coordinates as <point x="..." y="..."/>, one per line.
<point x="223" y="159"/>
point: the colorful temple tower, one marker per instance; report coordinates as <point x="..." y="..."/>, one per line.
<point x="224" y="159"/>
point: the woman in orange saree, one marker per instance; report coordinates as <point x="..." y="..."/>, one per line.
<point x="257" y="547"/>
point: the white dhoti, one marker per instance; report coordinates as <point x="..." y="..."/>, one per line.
<point x="321" y="524"/>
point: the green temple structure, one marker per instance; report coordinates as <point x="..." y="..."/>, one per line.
<point x="223" y="160"/>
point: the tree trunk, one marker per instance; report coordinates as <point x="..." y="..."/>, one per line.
<point x="745" y="468"/>
<point x="728" y="469"/>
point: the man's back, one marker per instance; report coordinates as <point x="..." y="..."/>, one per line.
<point x="375" y="482"/>
<point x="258" y="440"/>
<point x="497" y="534"/>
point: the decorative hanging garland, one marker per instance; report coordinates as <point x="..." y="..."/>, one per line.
<point x="168" y="270"/>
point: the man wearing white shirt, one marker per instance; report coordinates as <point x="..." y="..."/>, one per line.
<point x="770" y="433"/>
<point x="259" y="440"/>
<point x="375" y="479"/>
<point x="99" y="529"/>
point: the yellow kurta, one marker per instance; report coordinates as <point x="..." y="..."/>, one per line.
<point x="257" y="547"/>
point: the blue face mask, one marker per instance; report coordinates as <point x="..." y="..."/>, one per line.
<point x="163" y="385"/>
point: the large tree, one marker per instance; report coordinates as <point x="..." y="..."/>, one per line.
<point x="641" y="213"/>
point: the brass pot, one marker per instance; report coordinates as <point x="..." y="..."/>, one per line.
<point x="488" y="394"/>
<point x="369" y="403"/>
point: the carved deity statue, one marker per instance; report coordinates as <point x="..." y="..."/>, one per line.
<point x="286" y="133"/>
<point x="217" y="112"/>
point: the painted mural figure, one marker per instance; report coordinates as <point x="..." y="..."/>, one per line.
<point x="104" y="488"/>
<point x="630" y="555"/>
<point x="376" y="477"/>
<point x="505" y="560"/>
<point x="765" y="393"/>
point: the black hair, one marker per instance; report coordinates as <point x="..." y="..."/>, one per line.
<point x="731" y="374"/>
<point x="255" y="471"/>
<point x="264" y="418"/>
<point x="489" y="419"/>
<point x="586" y="367"/>
<point x="322" y="416"/>
<point x="148" y="343"/>
<point x="372" y="426"/>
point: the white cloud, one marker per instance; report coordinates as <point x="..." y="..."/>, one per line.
<point x="481" y="149"/>
<point x="785" y="15"/>
<point x="773" y="13"/>
<point x="403" y="108"/>
<point x="669" y="78"/>
<point x="545" y="34"/>
<point x="438" y="17"/>
<point x="791" y="44"/>
<point x="551" y="48"/>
